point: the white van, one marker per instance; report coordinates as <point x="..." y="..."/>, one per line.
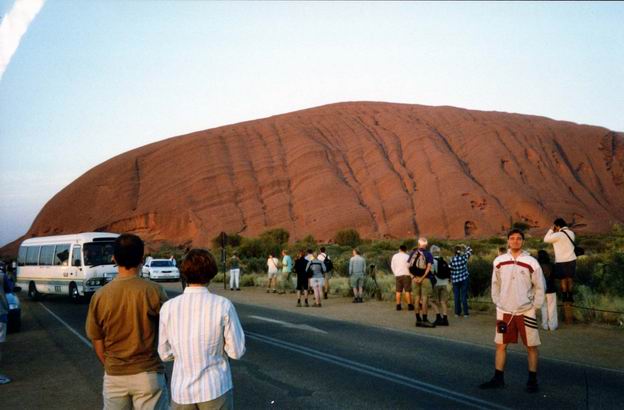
<point x="75" y="265"/>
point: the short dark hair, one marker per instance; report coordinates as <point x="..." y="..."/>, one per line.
<point x="309" y="251"/>
<point x="502" y="249"/>
<point x="560" y="222"/>
<point x="403" y="248"/>
<point x="322" y="249"/>
<point x="128" y="250"/>
<point x="458" y="249"/>
<point x="515" y="230"/>
<point x="198" y="267"/>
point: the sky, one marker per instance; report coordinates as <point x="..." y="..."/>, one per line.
<point x="81" y="82"/>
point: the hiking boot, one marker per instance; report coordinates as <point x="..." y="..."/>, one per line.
<point x="238" y="289"/>
<point x="268" y="291"/>
<point x="494" y="383"/>
<point x="426" y="323"/>
<point x="274" y="290"/>
<point x="444" y="321"/>
<point x="398" y="307"/>
<point x="306" y="303"/>
<point x="324" y="295"/>
<point x="438" y="321"/>
<point x="231" y="288"/>
<point x="360" y="300"/>
<point x="531" y="387"/>
<point x="410" y="307"/>
<point x="298" y="304"/>
<point x="355" y="300"/>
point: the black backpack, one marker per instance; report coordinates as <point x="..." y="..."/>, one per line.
<point x="329" y="265"/>
<point x="444" y="271"/>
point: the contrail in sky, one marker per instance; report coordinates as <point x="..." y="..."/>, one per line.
<point x="13" y="26"/>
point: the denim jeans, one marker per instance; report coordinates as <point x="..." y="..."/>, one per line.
<point x="460" y="295"/>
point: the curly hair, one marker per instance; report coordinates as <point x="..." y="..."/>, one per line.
<point x="198" y="267"/>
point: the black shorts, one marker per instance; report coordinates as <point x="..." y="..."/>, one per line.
<point x="565" y="270"/>
<point x="302" y="281"/>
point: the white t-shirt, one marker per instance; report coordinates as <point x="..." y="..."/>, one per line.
<point x="272" y="265"/>
<point x="398" y="264"/>
<point x="563" y="247"/>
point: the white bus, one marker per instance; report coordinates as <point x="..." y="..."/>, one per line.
<point x="75" y="265"/>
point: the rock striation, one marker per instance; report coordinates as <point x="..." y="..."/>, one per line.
<point x="387" y="170"/>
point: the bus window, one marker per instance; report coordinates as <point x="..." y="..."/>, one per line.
<point x="98" y="253"/>
<point x="46" y="256"/>
<point x="21" y="256"/>
<point x="61" y="255"/>
<point x="32" y="255"/>
<point x="76" y="259"/>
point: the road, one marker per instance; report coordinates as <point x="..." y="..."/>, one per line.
<point x="298" y="361"/>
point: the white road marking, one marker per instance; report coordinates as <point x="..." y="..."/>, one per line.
<point x="81" y="337"/>
<point x="379" y="373"/>
<point x="289" y="325"/>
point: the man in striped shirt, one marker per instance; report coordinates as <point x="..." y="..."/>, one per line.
<point x="459" y="278"/>
<point x="199" y="331"/>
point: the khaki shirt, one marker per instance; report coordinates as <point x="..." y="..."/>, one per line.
<point x="124" y="314"/>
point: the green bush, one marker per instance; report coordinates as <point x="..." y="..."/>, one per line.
<point x="348" y="237"/>
<point x="252" y="248"/>
<point x="480" y="275"/>
<point x="277" y="236"/>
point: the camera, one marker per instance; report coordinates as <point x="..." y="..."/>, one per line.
<point x="501" y="326"/>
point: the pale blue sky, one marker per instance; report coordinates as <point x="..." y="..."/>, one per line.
<point x="91" y="80"/>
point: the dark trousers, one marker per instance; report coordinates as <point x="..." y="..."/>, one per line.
<point x="460" y="294"/>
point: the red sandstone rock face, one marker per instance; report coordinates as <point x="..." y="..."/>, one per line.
<point x="387" y="170"/>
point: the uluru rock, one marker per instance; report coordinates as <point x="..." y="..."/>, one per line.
<point x="387" y="170"/>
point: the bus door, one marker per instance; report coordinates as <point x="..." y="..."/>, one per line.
<point x="76" y="270"/>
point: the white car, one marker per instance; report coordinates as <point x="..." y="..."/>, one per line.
<point x="160" y="269"/>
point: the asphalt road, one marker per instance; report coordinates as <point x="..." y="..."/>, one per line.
<point x="298" y="361"/>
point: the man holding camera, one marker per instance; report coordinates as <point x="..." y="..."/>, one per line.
<point x="517" y="291"/>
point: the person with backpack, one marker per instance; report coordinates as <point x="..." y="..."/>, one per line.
<point x="442" y="273"/>
<point x="420" y="263"/>
<point x="460" y="278"/>
<point x="329" y="266"/>
<point x="316" y="269"/>
<point x="402" y="277"/>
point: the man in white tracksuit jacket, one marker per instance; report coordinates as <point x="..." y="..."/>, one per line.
<point x="518" y="291"/>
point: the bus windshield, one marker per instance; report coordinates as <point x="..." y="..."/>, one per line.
<point x="98" y="253"/>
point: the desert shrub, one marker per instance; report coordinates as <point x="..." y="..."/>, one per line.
<point x="614" y="275"/>
<point x="248" y="280"/>
<point x="586" y="272"/>
<point x="497" y="241"/>
<point x="277" y="236"/>
<point x="348" y="237"/>
<point x="523" y="226"/>
<point x="410" y="243"/>
<point x="254" y="265"/>
<point x="252" y="248"/>
<point x="385" y="245"/>
<point x="480" y="275"/>
<point x="308" y="242"/>
<point x="593" y="245"/>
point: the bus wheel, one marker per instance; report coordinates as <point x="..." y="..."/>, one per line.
<point x="33" y="294"/>
<point x="73" y="293"/>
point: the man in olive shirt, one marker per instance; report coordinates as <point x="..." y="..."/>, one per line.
<point x="122" y="323"/>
